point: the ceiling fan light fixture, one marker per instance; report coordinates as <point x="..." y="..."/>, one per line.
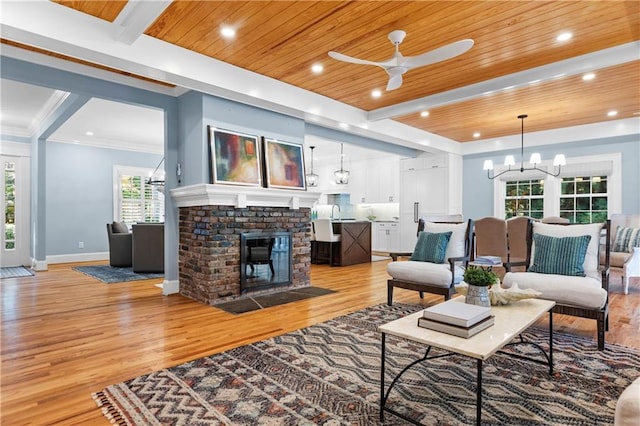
<point x="398" y="64"/>
<point x="535" y="159"/>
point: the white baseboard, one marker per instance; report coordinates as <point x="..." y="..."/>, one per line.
<point x="39" y="265"/>
<point x="77" y="257"/>
<point x="170" y="287"/>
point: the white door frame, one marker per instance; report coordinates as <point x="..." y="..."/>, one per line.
<point x="19" y="154"/>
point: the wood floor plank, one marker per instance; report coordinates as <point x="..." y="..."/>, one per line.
<point x="66" y="335"/>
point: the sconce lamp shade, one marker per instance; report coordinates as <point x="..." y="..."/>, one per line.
<point x="559" y="160"/>
<point x="535" y="158"/>
<point x="509" y="160"/>
<point x="488" y="165"/>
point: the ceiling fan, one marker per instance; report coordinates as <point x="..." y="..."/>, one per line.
<point x="398" y="64"/>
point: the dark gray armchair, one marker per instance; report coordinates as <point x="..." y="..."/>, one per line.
<point x="120" y="244"/>
<point x="148" y="247"/>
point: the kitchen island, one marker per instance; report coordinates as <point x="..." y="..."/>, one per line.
<point x="355" y="242"/>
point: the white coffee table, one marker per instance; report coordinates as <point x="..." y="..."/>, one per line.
<point x="510" y="322"/>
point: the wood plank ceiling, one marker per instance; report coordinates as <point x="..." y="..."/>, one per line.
<point x="283" y="39"/>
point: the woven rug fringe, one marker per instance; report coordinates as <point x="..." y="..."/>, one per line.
<point x="111" y="412"/>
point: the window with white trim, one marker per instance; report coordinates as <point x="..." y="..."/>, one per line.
<point x="136" y="200"/>
<point x="524" y="198"/>
<point x="584" y="199"/>
<point x="587" y="190"/>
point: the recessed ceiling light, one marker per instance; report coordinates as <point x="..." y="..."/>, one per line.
<point x="564" y="36"/>
<point x="588" y="76"/>
<point x="344" y="125"/>
<point x="89" y="133"/>
<point x="376" y="93"/>
<point x="424" y="114"/>
<point x="612" y="113"/>
<point x="476" y="135"/>
<point x="227" y="32"/>
<point x="317" y="68"/>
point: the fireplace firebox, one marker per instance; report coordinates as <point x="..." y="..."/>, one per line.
<point x="265" y="260"/>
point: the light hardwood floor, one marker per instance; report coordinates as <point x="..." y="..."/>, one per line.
<point x="66" y="335"/>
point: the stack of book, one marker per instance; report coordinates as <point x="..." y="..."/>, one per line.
<point x="459" y="319"/>
<point x="488" y="260"/>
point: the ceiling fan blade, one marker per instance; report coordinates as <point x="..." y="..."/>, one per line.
<point x="345" y="58"/>
<point x="440" y="54"/>
<point x="395" y="81"/>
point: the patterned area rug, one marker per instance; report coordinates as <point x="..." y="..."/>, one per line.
<point x="15" y="272"/>
<point x="329" y="374"/>
<point x="111" y="274"/>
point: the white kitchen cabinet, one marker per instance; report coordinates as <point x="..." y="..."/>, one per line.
<point x="386" y="237"/>
<point x="430" y="186"/>
<point x="382" y="181"/>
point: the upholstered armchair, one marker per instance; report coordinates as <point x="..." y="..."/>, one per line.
<point x="563" y="265"/>
<point x="490" y="238"/>
<point x="625" y="246"/>
<point x="120" y="244"/>
<point x="148" y="247"/>
<point x="437" y="262"/>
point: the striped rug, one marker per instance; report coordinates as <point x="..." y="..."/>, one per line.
<point x="15" y="272"/>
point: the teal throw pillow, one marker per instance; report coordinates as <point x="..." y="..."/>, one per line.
<point x="559" y="256"/>
<point x="431" y="247"/>
<point x="626" y="239"/>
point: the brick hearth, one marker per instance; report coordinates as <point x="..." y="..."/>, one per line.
<point x="209" y="252"/>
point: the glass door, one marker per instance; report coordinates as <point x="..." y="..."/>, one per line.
<point x="14" y="199"/>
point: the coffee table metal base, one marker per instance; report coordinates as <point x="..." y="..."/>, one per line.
<point x="385" y="395"/>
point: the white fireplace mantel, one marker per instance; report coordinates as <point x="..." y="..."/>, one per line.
<point x="240" y="196"/>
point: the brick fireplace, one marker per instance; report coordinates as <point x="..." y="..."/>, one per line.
<point x="211" y="222"/>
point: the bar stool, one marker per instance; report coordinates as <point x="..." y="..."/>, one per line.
<point x="323" y="229"/>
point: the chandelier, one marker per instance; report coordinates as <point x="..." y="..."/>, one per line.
<point x="312" y="178"/>
<point x="535" y="159"/>
<point x="342" y="175"/>
<point x="155" y="178"/>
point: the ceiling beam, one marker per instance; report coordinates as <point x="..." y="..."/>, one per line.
<point x="580" y="64"/>
<point x="136" y="17"/>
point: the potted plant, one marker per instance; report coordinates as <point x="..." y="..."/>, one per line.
<point x="479" y="280"/>
<point x="479" y="276"/>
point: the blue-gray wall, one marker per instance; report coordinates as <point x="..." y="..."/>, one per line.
<point x="79" y="201"/>
<point x="477" y="194"/>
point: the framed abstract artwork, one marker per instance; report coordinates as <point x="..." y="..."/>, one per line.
<point x="234" y="158"/>
<point x="284" y="165"/>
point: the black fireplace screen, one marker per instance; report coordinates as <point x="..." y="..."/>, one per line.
<point x="265" y="260"/>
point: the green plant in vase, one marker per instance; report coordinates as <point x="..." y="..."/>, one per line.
<point x="479" y="276"/>
<point x="479" y="280"/>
